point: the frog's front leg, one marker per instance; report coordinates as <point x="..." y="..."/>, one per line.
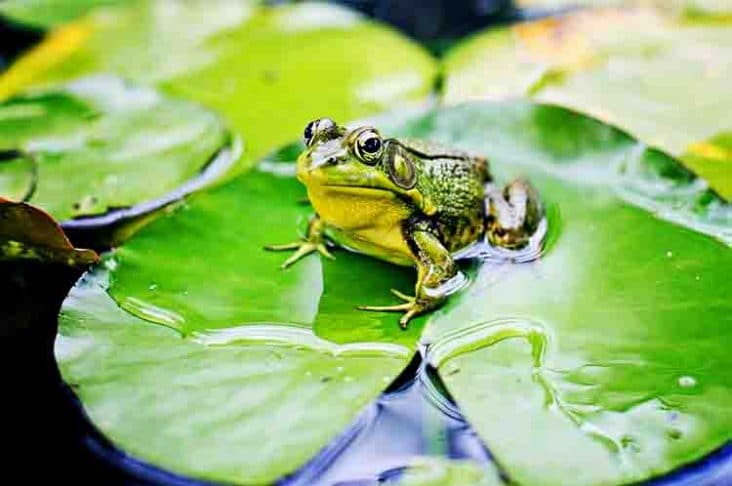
<point x="513" y="214"/>
<point x="436" y="269"/>
<point x="313" y="241"/>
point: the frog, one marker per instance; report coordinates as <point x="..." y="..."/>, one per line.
<point x="408" y="202"/>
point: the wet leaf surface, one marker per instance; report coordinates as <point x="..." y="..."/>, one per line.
<point x="241" y="348"/>
<point x="634" y="69"/>
<point x="96" y="144"/>
<point x="267" y="70"/>
<point x="246" y="404"/>
<point x="606" y="356"/>
<point x="433" y="471"/>
<point x="604" y="361"/>
<point x="49" y="13"/>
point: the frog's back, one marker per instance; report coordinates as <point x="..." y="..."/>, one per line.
<point x="452" y="183"/>
<point x="427" y="150"/>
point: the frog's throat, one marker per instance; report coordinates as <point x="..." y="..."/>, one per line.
<point x="358" y="190"/>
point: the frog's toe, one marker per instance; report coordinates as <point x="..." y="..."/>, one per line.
<point x="411" y="308"/>
<point x="412" y="312"/>
<point x="323" y="250"/>
<point x="402" y="295"/>
<point x="287" y="246"/>
<point x="386" y="308"/>
<point x="303" y="250"/>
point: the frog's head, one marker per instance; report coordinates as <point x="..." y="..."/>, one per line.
<point x="355" y="161"/>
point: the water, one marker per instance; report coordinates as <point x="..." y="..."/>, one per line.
<point x="412" y="420"/>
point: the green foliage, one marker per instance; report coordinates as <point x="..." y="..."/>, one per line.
<point x="94" y="145"/>
<point x="609" y="350"/>
<point x="267" y="70"/>
<point x="664" y="81"/>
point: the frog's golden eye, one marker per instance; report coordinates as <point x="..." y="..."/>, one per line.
<point x="368" y="146"/>
<point x="315" y="128"/>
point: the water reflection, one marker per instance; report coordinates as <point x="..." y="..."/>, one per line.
<point x="413" y="420"/>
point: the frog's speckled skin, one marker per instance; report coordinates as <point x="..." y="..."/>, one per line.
<point x="409" y="202"/>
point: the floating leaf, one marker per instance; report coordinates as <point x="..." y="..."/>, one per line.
<point x="240" y="361"/>
<point x="267" y="70"/>
<point x="99" y="145"/>
<point x="597" y="321"/>
<point x="605" y="361"/>
<point x="665" y="81"/>
<point x="48" y="13"/>
<point x="38" y="265"/>
<point x="27" y="233"/>
<point x="247" y="404"/>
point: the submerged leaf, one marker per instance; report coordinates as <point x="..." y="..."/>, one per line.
<point x="665" y="81"/>
<point x="267" y="70"/>
<point x="98" y="144"/>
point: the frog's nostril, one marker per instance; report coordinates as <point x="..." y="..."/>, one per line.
<point x="331" y="161"/>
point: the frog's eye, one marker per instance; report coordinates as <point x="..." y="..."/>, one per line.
<point x="315" y="128"/>
<point x="368" y="146"/>
<point x="307" y="135"/>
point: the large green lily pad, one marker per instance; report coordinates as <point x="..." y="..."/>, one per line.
<point x="238" y="387"/>
<point x="605" y="361"/>
<point x="95" y="145"/>
<point x="663" y="80"/>
<point x="617" y="366"/>
<point x="267" y="70"/>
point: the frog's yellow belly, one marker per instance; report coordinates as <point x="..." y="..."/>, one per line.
<point x="365" y="220"/>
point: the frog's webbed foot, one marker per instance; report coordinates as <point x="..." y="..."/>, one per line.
<point x="302" y="248"/>
<point x="411" y="307"/>
<point x="513" y="214"/>
<point x="436" y="270"/>
<point x="315" y="241"/>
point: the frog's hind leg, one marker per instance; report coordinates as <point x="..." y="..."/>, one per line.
<point x="437" y="275"/>
<point x="513" y="214"/>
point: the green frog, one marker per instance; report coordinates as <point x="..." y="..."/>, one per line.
<point x="409" y="202"/>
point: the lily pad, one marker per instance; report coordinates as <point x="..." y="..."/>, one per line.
<point x="49" y="13"/>
<point x="238" y="387"/>
<point x="95" y="145"/>
<point x="267" y="70"/>
<point x="625" y="311"/>
<point x="604" y="362"/>
<point x="634" y="69"/>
